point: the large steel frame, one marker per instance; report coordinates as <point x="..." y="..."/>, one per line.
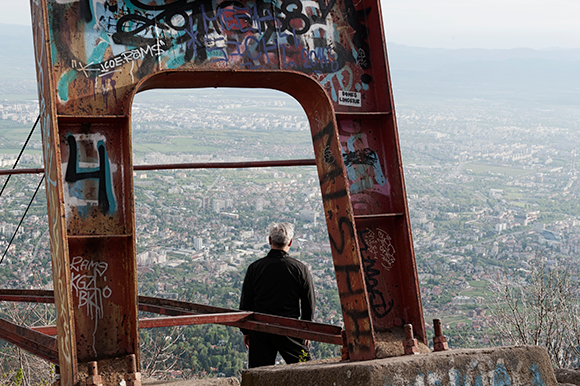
<point x="92" y="57"/>
<point x="178" y="313"/>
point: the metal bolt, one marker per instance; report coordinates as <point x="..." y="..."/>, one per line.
<point x="410" y="343"/>
<point x="94" y="379"/>
<point x="437" y="327"/>
<point x="93" y="368"/>
<point x="409" y="331"/>
<point x="131" y="363"/>
<point x="132" y="378"/>
<point x="439" y="340"/>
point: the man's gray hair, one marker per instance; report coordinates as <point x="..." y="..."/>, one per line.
<point x="281" y="233"/>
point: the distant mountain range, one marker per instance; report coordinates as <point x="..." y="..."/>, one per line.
<point x="544" y="77"/>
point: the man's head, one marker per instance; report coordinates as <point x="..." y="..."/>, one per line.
<point x="281" y="235"/>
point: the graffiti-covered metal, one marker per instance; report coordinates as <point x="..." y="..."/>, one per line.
<point x="67" y="352"/>
<point x="94" y="56"/>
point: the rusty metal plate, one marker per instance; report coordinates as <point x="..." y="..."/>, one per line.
<point x="105" y="294"/>
<point x="95" y="157"/>
<point x="104" y="48"/>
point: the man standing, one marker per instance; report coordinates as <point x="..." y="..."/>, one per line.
<point x="278" y="285"/>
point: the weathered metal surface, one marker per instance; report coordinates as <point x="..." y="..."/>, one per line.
<point x="186" y="313"/>
<point x="5" y="172"/>
<point x="188" y="320"/>
<point x="374" y="170"/>
<point x="27" y="295"/>
<point x="103" y="48"/>
<point x="54" y="192"/>
<point x="107" y="307"/>
<point x="32" y="341"/>
<point x="319" y="332"/>
<point x="330" y="56"/>
<point x="198" y="165"/>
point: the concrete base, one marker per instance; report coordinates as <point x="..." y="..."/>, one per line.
<point x="525" y="366"/>
<point x="193" y="382"/>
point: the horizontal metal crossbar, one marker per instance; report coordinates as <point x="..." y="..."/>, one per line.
<point x="185" y="313"/>
<point x="30" y="340"/>
<point x="198" y="165"/>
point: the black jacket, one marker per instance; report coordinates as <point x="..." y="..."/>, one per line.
<point x="278" y="285"/>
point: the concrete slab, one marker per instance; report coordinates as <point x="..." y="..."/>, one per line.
<point x="525" y="366"/>
<point x="567" y="376"/>
<point x="193" y="382"/>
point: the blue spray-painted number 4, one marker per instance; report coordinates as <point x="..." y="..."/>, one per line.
<point x="75" y="173"/>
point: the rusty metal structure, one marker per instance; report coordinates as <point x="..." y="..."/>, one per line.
<point x="92" y="57"/>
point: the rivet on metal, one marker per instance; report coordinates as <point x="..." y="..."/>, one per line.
<point x="410" y="343"/>
<point x="439" y="340"/>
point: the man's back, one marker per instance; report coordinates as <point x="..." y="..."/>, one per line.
<point x="275" y="285"/>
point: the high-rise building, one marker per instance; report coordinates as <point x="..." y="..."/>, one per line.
<point x="197" y="243"/>
<point x="259" y="205"/>
<point x="218" y="205"/>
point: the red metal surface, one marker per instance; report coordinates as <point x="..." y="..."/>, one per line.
<point x="67" y="349"/>
<point x="5" y="172"/>
<point x="26" y="295"/>
<point x="319" y="332"/>
<point x="330" y="56"/>
<point x="187" y="320"/>
<point x="185" y="313"/>
<point x="199" y="165"/>
<point x="32" y="341"/>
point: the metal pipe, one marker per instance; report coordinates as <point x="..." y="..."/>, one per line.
<point x="197" y="165"/>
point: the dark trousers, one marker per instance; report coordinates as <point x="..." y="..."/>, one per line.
<point x="264" y="347"/>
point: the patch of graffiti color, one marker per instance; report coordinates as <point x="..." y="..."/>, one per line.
<point x="477" y="373"/>
<point x="326" y="39"/>
<point x="85" y="278"/>
<point x="362" y="165"/>
<point x="380" y="247"/>
<point x="372" y="247"/>
<point x="82" y="176"/>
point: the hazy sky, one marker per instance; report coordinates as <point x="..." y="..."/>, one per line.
<point x="450" y="23"/>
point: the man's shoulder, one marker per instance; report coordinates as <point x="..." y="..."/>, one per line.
<point x="295" y="262"/>
<point x="257" y="262"/>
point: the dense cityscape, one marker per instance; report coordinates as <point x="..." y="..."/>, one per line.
<point x="491" y="189"/>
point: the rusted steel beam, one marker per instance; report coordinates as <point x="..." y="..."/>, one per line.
<point x="186" y="320"/>
<point x="298" y="324"/>
<point x="46" y="330"/>
<point x="319" y="332"/>
<point x="169" y="304"/>
<point x="313" y="331"/>
<point x="291" y="331"/>
<point x="186" y="313"/>
<point x="30" y="340"/>
<point x="201" y="165"/>
<point x="5" y="172"/>
<point x="230" y="165"/>
<point x="29" y="296"/>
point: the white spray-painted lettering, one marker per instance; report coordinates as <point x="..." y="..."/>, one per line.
<point x="84" y="276"/>
<point x="381" y="248"/>
<point x="129" y="56"/>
